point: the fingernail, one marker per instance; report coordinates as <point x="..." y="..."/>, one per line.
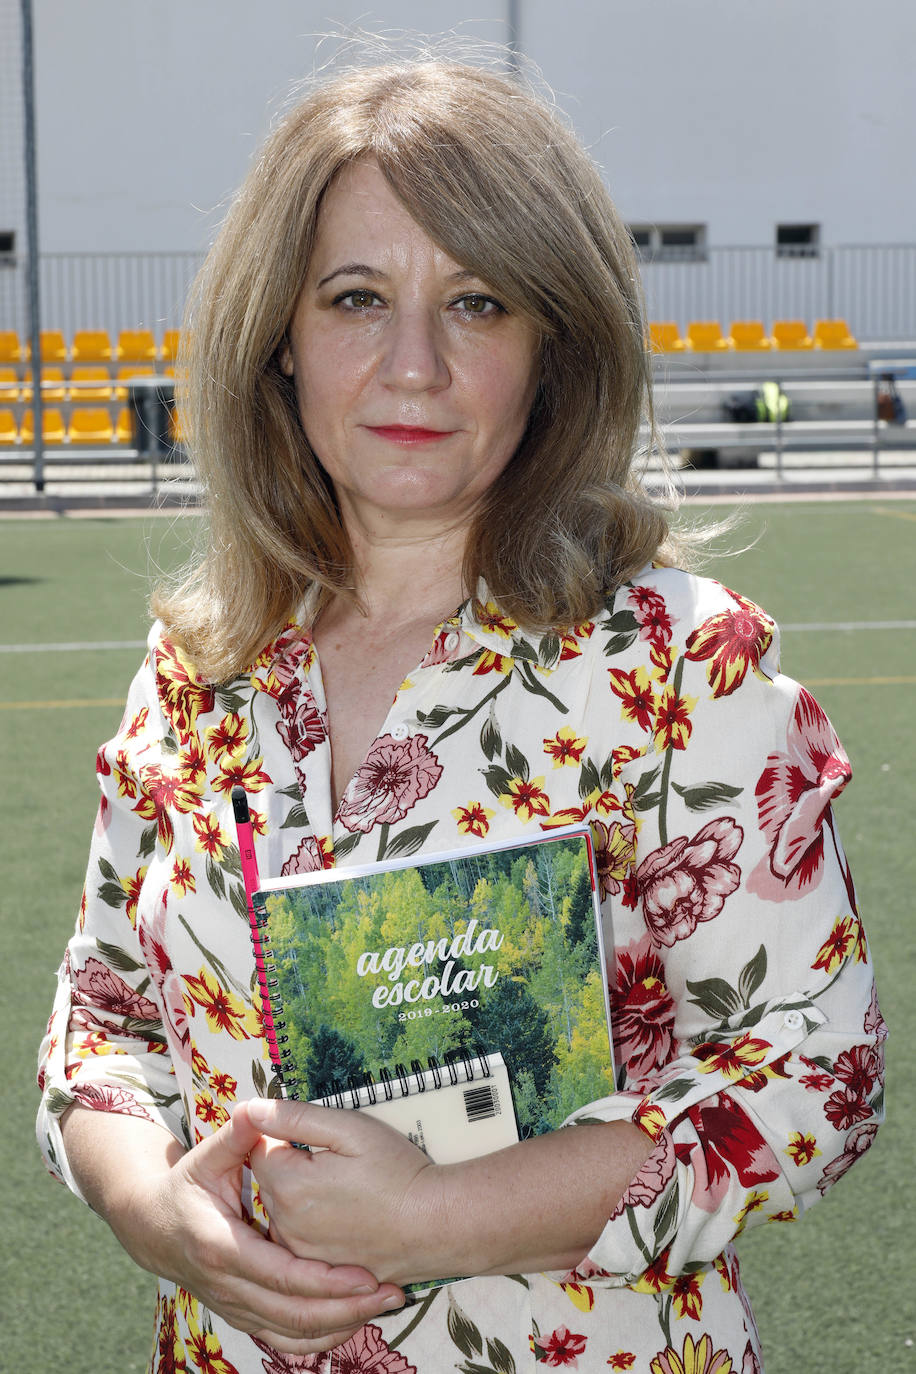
<point x="391" y="1303"/>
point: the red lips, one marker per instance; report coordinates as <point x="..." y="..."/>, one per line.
<point x="409" y="434"/>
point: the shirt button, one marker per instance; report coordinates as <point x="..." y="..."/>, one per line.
<point x="451" y="641"/>
<point x="793" y="1020"/>
<point x="399" y="731"/>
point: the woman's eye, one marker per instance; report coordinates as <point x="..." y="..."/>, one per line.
<point x="477" y="304"/>
<point x="360" y="299"/>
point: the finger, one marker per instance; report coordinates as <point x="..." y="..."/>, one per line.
<point x="245" y="1255"/>
<point x="226" y="1149"/>
<point x="288" y="1346"/>
<point x="304" y="1319"/>
<point x="300" y="1122"/>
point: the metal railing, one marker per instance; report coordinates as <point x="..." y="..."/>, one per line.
<point x="871" y="286"/>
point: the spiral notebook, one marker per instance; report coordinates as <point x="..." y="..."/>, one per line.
<point x="461" y="996"/>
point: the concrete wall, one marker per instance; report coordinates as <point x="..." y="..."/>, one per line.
<point x="733" y="113"/>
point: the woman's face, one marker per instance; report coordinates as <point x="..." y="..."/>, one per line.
<point x="414" y="383"/>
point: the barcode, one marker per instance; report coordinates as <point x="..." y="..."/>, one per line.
<point x="479" y="1103"/>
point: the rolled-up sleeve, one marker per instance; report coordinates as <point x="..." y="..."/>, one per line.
<point x="106" y="1046"/>
<point x="746" y="950"/>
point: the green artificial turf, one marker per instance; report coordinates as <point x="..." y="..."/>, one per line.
<point x="833" y="1293"/>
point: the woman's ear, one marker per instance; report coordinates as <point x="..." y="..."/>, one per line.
<point x="285" y="358"/>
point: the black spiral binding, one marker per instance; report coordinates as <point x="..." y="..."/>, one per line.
<point x="364" y="1090"/>
<point x="268" y="984"/>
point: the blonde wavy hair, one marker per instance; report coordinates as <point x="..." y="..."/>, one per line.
<point x="497" y="180"/>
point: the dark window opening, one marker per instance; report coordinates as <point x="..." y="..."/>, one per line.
<point x="798" y="240"/>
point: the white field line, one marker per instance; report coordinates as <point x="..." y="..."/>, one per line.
<point x="821" y="625"/>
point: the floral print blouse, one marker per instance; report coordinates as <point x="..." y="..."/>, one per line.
<point x="748" y="1036"/>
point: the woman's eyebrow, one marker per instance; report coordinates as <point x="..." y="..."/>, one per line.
<point x="362" y="269"/>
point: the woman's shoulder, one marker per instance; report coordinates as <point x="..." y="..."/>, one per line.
<point x="689" y="599"/>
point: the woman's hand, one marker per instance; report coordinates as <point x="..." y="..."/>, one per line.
<point x="179" y="1214"/>
<point x="370" y="1196"/>
<point x="365" y="1197"/>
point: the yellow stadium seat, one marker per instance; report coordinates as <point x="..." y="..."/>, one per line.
<point x="168" y="350"/>
<point x="52" y="384"/>
<point x="132" y="370"/>
<point x="9" y="432"/>
<point x="90" y="425"/>
<point x="749" y="336"/>
<point x="53" y="347"/>
<point x="90" y="384"/>
<point x="705" y="336"/>
<point x="177" y="432"/>
<point x="9" y="384"/>
<point x="52" y="427"/>
<point x="11" y="350"/>
<point x="124" y="427"/>
<point x="665" y="337"/>
<point x="791" y="334"/>
<point x="833" y="334"/>
<point x="91" y="346"/>
<point x="136" y="346"/>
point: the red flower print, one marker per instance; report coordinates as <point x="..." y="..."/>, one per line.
<point x="687" y="881"/>
<point x="474" y="819"/>
<point x="561" y="1349"/>
<point x="836" y="948"/>
<point x="489" y="617"/>
<point x="223" y="1010"/>
<point x="857" y="1143"/>
<point x="566" y="748"/>
<point x="96" y="985"/>
<point x="794" y="793"/>
<point x="652" y="615"/>
<point x="615" y="848"/>
<point x="302" y="728"/>
<point x="364" y="1353"/>
<point x="624" y="1359"/>
<point x="651" y="1180"/>
<point x="395" y="775"/>
<point x="206" y="1350"/>
<point x="635" y="691"/>
<point x="732" y="1057"/>
<point x="844" y="1108"/>
<point x="184" y="695"/>
<point x="171" y="992"/>
<point x="686" y="1296"/>
<point x="245" y="773"/>
<point x="874" y="1023"/>
<point x="673" y="726"/>
<point x="732" y="641"/>
<point x="656" y="1278"/>
<point x="859" y="1068"/>
<point x="211" y="838"/>
<point x="227" y="739"/>
<point x="802" y="1148"/>
<point x="727" y="1141"/>
<point x="817" y="1082"/>
<point x="438" y="652"/>
<point x="526" y="797"/>
<point x="313" y="853"/>
<point x="642" y="1011"/>
<point x="99" y="1097"/>
<point x="490" y="662"/>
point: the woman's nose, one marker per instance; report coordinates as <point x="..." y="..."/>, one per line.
<point x="413" y="358"/>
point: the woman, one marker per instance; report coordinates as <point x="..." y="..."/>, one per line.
<point x="429" y="613"/>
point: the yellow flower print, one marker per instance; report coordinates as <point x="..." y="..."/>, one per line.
<point x="490" y="662"/>
<point x="489" y="617"/>
<point x="566" y="748"/>
<point x="836" y="948"/>
<point x="224" y="1011"/>
<point x="473" y="819"/>
<point x="695" y="1358"/>
<point x="526" y="797"/>
<point x="672" y="720"/>
<point x="752" y="1203"/>
<point x="802" y="1148"/>
<point x="228" y="739"/>
<point x="211" y="838"/>
<point x="182" y="879"/>
<point x="580" y="1295"/>
<point x="732" y="1058"/>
